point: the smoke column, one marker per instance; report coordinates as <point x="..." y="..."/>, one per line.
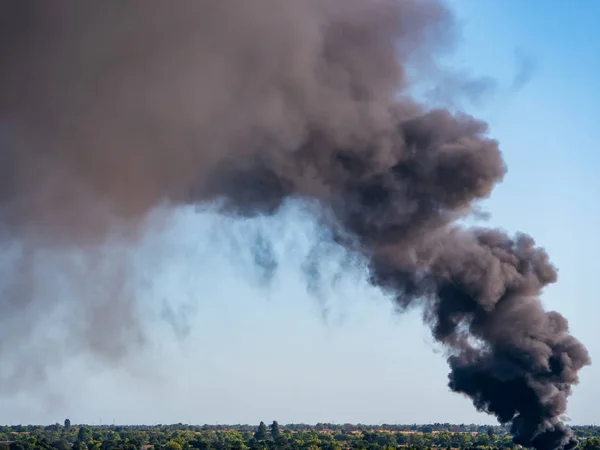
<point x="109" y="110"/>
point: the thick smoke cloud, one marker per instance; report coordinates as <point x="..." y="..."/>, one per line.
<point x="111" y="109"/>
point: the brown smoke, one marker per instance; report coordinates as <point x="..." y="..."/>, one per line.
<point x="110" y="109"/>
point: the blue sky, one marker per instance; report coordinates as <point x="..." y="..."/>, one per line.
<point x="279" y="353"/>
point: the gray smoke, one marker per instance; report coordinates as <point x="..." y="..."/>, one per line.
<point x="111" y="109"/>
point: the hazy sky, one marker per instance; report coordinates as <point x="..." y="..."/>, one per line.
<point x="247" y="351"/>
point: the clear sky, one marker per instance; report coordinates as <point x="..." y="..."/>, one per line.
<point x="252" y="352"/>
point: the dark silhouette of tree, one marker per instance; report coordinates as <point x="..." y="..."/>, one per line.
<point x="61" y="445"/>
<point x="261" y="433"/>
<point x="275" y="431"/>
<point x="67" y="424"/>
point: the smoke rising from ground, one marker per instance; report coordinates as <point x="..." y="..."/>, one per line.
<point x="112" y="110"/>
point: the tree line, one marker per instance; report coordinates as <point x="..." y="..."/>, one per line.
<point x="269" y="437"/>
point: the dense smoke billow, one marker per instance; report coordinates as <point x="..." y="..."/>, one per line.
<point x="111" y="109"/>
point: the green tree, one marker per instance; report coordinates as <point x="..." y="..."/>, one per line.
<point x="173" y="445"/>
<point x="261" y="433"/>
<point x="84" y="434"/>
<point x="275" y="431"/>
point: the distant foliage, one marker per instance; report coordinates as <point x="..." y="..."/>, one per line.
<point x="323" y="436"/>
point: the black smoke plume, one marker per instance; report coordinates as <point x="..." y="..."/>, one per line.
<point x="111" y="109"/>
